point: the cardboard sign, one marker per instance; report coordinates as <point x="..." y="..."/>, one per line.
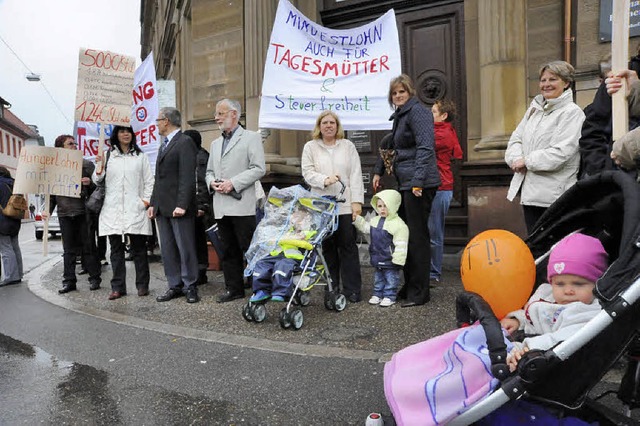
<point x="105" y="81"/>
<point x="46" y="170"/>
<point x="310" y="68"/>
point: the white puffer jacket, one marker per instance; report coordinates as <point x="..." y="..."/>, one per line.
<point x="547" y="138"/>
<point x="129" y="181"/>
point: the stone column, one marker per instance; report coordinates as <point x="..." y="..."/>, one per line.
<point x="258" y="22"/>
<point x="502" y="50"/>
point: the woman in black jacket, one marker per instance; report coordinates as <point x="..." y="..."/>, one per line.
<point x="9" y="229"/>
<point x="416" y="170"/>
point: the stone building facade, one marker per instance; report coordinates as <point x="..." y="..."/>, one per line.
<point x="484" y="54"/>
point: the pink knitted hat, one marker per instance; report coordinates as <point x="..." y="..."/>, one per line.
<point x="580" y="255"/>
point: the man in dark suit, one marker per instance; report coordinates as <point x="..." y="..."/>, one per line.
<point x="173" y="203"/>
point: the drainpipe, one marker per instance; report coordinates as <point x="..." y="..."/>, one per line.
<point x="569" y="31"/>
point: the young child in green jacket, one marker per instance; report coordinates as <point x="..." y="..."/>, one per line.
<point x="388" y="246"/>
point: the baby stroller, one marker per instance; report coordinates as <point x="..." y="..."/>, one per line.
<point x="606" y="206"/>
<point x="321" y="218"/>
<point x="559" y="380"/>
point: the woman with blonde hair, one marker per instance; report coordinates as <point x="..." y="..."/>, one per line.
<point x="326" y="159"/>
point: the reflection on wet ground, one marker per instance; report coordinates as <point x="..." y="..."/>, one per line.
<point x="35" y="387"/>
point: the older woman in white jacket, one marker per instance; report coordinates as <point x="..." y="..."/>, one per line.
<point x="129" y="184"/>
<point x="325" y="160"/>
<point x="543" y="150"/>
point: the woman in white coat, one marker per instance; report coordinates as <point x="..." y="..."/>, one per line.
<point x="543" y="150"/>
<point x="129" y="184"/>
<point x="327" y="158"/>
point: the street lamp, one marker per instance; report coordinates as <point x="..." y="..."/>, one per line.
<point x="33" y="76"/>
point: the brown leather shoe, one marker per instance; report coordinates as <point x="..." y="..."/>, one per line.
<point x="143" y="292"/>
<point x="115" y="295"/>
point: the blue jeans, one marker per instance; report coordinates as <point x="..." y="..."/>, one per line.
<point x="11" y="259"/>
<point x="385" y="283"/>
<point x="439" y="209"/>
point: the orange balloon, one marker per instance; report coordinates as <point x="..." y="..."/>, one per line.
<point x="498" y="266"/>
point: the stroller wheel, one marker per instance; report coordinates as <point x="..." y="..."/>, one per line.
<point x="259" y="312"/>
<point x="285" y="319"/>
<point x="304" y="298"/>
<point x="246" y="312"/>
<point x="297" y="319"/>
<point x="329" y="300"/>
<point x="339" y="302"/>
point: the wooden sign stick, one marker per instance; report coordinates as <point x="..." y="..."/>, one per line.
<point x="45" y="232"/>
<point x="620" y="62"/>
<point x="101" y="148"/>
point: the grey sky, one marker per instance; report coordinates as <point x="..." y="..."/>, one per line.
<point x="47" y="35"/>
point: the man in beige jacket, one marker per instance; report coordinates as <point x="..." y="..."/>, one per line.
<point x="236" y="162"/>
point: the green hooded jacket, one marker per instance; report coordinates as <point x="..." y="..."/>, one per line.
<point x="390" y="235"/>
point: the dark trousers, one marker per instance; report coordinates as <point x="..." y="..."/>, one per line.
<point x="236" y="233"/>
<point x="139" y="252"/>
<point x="178" y="249"/>
<point x="341" y="253"/>
<point x="102" y="247"/>
<point x="415" y="213"/>
<point x="77" y="241"/>
<point x="531" y="216"/>
<point x="201" y="244"/>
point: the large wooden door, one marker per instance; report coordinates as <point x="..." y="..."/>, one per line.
<point x="432" y="47"/>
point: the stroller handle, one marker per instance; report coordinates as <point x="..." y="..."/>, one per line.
<point x="339" y="197"/>
<point x="471" y="307"/>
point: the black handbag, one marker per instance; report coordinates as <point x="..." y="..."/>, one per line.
<point x="96" y="199"/>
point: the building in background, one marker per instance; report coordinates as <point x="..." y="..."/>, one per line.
<point x="14" y="134"/>
<point x="483" y="54"/>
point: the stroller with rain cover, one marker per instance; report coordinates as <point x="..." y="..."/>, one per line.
<point x="606" y="206"/>
<point x="316" y="218"/>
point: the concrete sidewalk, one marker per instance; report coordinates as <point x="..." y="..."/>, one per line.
<point x="360" y="331"/>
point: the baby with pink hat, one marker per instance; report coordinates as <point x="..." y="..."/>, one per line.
<point x="559" y="309"/>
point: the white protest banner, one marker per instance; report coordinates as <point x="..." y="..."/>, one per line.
<point x="310" y="68"/>
<point x="145" y="110"/>
<point x="105" y="80"/>
<point x="47" y="170"/>
<point x="87" y="137"/>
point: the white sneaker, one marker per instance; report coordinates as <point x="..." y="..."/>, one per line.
<point x="374" y="300"/>
<point x="386" y="302"/>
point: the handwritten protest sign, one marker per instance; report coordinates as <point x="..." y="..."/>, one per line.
<point x="46" y="170"/>
<point x="310" y="68"/>
<point x="105" y="81"/>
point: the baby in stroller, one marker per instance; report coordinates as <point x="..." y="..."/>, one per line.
<point x="284" y="257"/>
<point x="559" y="308"/>
<point x="273" y="275"/>
<point x="434" y="381"/>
